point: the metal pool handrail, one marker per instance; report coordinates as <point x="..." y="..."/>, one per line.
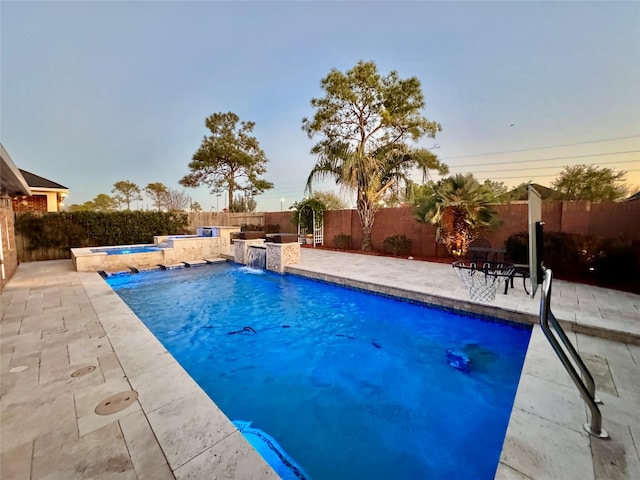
<point x="588" y="391"/>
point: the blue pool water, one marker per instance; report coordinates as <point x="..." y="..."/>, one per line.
<point x="126" y="250"/>
<point x="350" y="384"/>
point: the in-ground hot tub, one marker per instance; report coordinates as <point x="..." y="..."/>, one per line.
<point x="166" y="250"/>
<point x="118" y="258"/>
<point x="126" y="249"/>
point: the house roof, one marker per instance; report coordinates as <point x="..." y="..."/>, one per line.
<point x="633" y="198"/>
<point x="36" y="181"/>
<point x="521" y="192"/>
<point x="11" y="179"/>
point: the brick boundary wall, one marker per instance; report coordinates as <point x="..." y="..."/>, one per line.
<point x="9" y="248"/>
<point x="602" y="220"/>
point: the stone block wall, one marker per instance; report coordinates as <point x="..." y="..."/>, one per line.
<point x="279" y="255"/>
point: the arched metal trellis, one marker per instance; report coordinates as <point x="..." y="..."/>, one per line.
<point x="316" y="229"/>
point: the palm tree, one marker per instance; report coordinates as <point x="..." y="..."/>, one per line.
<point x="366" y="121"/>
<point x="459" y="207"/>
<point x="371" y="176"/>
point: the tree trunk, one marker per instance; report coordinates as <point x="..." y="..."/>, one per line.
<point x="367" y="244"/>
<point x="367" y="212"/>
<point x="232" y="186"/>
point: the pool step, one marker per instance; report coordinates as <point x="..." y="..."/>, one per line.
<point x="215" y="260"/>
<point x="145" y="268"/>
<point x="173" y="266"/>
<point x="114" y="273"/>
<point x="159" y="266"/>
<point x="195" y="263"/>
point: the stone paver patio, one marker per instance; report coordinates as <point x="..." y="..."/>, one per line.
<point x="56" y="321"/>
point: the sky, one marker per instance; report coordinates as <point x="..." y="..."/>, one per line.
<point x="96" y="92"/>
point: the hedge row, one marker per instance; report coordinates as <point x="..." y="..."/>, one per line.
<point x="90" y="229"/>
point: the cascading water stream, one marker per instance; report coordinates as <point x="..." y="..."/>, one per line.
<point x="257" y="257"/>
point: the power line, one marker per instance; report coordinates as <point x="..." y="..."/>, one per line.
<point x="548" y="159"/>
<point x="290" y="189"/>
<point x="542" y="168"/>
<point x="542" y="148"/>
<point x="538" y="176"/>
<point x="295" y="190"/>
<point x="526" y="177"/>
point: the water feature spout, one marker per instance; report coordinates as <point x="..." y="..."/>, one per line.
<point x="257" y="257"/>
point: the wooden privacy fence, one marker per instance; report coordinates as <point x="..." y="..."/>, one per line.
<point x="39" y="254"/>
<point x="222" y="219"/>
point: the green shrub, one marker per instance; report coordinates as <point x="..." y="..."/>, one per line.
<point x="615" y="263"/>
<point x="581" y="257"/>
<point x="517" y="248"/>
<point x="249" y="227"/>
<point x="561" y="252"/>
<point x="397" y="245"/>
<point x="342" y="241"/>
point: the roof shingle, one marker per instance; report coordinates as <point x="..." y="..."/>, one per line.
<point x="35" y="181"/>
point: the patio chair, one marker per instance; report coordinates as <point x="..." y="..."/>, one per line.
<point x="477" y="250"/>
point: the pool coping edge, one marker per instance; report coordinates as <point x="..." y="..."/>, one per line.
<point x="217" y="451"/>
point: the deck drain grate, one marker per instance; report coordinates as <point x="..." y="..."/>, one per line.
<point x="83" y="371"/>
<point x="117" y="402"/>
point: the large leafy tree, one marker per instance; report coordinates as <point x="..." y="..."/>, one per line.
<point x="101" y="203"/>
<point x="126" y="192"/>
<point x="229" y="158"/>
<point x="499" y="189"/>
<point x="331" y="200"/>
<point x="364" y="123"/>
<point x="104" y="203"/>
<point x="589" y="182"/>
<point x="458" y="207"/>
<point x="156" y="191"/>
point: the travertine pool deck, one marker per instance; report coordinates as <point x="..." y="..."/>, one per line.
<point x="55" y="321"/>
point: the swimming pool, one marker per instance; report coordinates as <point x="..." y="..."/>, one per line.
<point x="352" y="385"/>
